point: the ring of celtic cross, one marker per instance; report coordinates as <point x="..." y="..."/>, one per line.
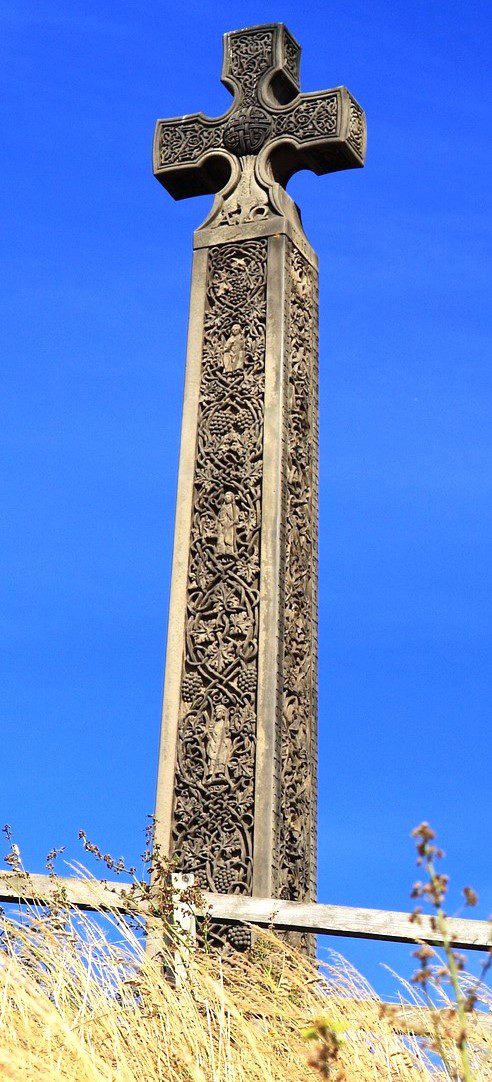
<point x="247" y="131"/>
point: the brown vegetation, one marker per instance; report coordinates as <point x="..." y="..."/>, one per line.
<point x="80" y="1000"/>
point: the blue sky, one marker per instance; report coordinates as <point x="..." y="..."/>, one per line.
<point x="93" y="314"/>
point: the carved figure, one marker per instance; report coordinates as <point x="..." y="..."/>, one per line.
<point x="227" y="521"/>
<point x="234" y="354"/>
<point x="219" y="744"/>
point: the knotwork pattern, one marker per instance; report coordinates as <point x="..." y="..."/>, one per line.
<point x="309" y="119"/>
<point x="356" y="127"/>
<point x="292" y="57"/>
<point x="214" y="794"/>
<point x="186" y="141"/>
<point x="297" y="864"/>
<point x="251" y="57"/>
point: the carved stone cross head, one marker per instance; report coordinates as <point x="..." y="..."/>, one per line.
<point x="270" y="132"/>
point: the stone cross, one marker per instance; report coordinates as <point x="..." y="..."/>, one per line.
<point x="236" y="790"/>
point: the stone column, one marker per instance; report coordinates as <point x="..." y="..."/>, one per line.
<point x="236" y="796"/>
<point x="237" y="767"/>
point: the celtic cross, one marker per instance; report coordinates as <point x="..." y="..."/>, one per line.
<point x="236" y="789"/>
<point x="284" y="129"/>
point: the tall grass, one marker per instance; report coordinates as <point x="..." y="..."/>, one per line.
<point x="80" y="1000"/>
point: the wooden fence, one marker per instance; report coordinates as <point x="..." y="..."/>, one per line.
<point x="313" y="917"/>
<point x="102" y="895"/>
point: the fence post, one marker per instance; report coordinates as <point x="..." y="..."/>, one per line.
<point x="171" y="944"/>
<point x="184" y="924"/>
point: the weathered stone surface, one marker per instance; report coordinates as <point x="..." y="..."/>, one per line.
<point x="236" y="798"/>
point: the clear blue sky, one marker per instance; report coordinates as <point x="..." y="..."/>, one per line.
<point x="93" y="311"/>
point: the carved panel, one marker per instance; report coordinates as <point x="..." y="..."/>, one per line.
<point x="214" y="791"/>
<point x="356" y="127"/>
<point x="184" y="141"/>
<point x="311" y="118"/>
<point x="251" y="55"/>
<point x="292" y="54"/>
<point x="261" y="69"/>
<point x="297" y="866"/>
<point x="247" y="202"/>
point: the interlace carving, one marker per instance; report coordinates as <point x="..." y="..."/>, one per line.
<point x="356" y="127"/>
<point x="246" y="158"/>
<point x="292" y="57"/>
<point x="247" y="131"/>
<point x="309" y="119"/>
<point x="297" y="865"/>
<point x="251" y="57"/>
<point x="214" y="793"/>
<point x="185" y="142"/>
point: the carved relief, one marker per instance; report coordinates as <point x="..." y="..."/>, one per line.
<point x="214" y="794"/>
<point x="239" y="157"/>
<point x="214" y="789"/>
<point x="227" y="521"/>
<point x="292" y="55"/>
<point x="184" y="141"/>
<point x="297" y="864"/>
<point x="251" y="55"/>
<point x="247" y="202"/>
<point x="218" y="741"/>
<point x="234" y="354"/>
<point x="356" y="127"/>
<point x="261" y="68"/>
<point x="247" y="131"/>
<point x="311" y="118"/>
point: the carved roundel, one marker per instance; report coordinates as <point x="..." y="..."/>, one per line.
<point x="247" y="131"/>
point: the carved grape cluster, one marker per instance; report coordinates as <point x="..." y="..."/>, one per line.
<point x="223" y="879"/>
<point x="218" y="424"/>
<point x="190" y="687"/>
<point x="239" y="937"/>
<point x="246" y="681"/>
<point x="243" y="420"/>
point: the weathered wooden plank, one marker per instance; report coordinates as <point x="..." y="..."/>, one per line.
<point x="345" y="921"/>
<point x="87" y="894"/>
<point x="267" y="912"/>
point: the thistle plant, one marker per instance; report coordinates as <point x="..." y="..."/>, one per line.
<point x="451" y="1026"/>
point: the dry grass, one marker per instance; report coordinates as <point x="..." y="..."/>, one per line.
<point x="79" y="1001"/>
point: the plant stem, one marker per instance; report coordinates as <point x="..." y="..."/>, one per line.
<point x="454" y="978"/>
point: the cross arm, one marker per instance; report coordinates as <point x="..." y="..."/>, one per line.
<point x="269" y="120"/>
<point x="186" y="156"/>
<point x="323" y="132"/>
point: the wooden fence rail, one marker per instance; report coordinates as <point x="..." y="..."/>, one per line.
<point x="88" y="894"/>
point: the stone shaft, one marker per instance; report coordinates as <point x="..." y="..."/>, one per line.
<point x="237" y="771"/>
<point x="236" y="793"/>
